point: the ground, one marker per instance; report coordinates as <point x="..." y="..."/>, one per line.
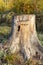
<point x="17" y="59"/>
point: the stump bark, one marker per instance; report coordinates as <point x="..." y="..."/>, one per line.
<point x="24" y="36"/>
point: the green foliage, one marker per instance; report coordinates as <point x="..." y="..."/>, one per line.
<point x="22" y="6"/>
<point x="28" y="6"/>
<point x="40" y="6"/>
<point x="6" y="5"/>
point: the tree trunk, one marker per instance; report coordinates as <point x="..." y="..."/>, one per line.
<point x="24" y="36"/>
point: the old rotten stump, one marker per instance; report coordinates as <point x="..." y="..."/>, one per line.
<point x="24" y="37"/>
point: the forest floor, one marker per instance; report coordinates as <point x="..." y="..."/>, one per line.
<point x="17" y="59"/>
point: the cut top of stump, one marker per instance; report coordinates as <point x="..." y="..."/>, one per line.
<point x="24" y="18"/>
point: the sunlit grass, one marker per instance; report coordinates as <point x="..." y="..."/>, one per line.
<point x="4" y="33"/>
<point x="4" y="29"/>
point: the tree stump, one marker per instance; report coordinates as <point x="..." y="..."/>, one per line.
<point x="24" y="36"/>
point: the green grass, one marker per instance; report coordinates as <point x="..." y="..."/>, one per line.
<point x="4" y="33"/>
<point x="40" y="36"/>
